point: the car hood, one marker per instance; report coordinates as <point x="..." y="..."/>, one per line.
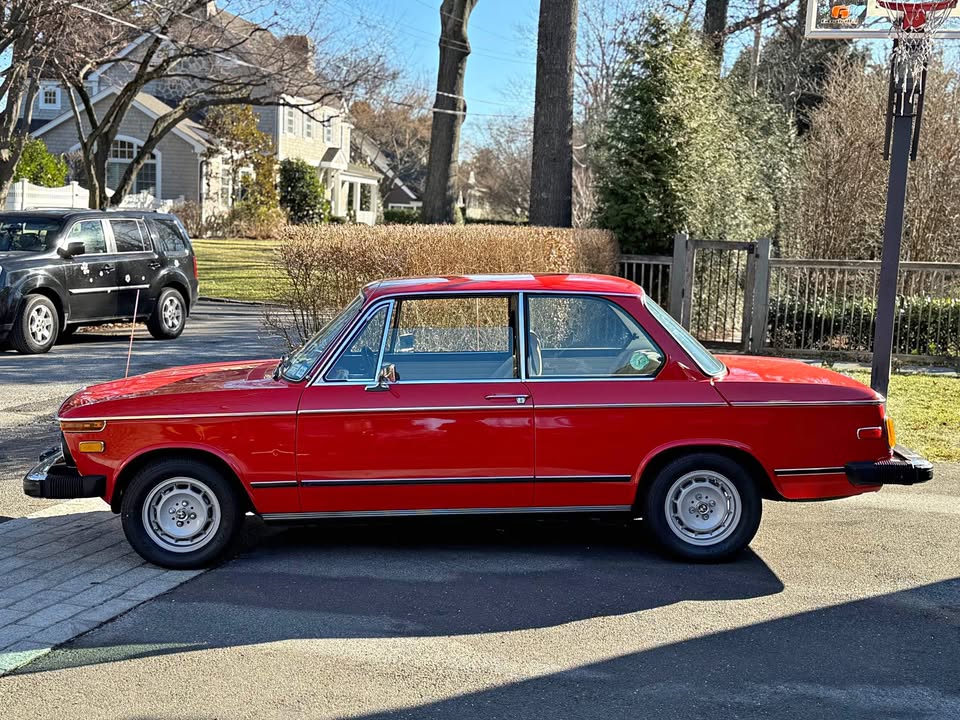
<point x="772" y="380"/>
<point x="14" y="260"/>
<point x="213" y="388"/>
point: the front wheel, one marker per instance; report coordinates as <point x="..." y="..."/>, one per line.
<point x="181" y="514"/>
<point x="703" y="507"/>
<point x="36" y="327"/>
<point x="169" y="317"/>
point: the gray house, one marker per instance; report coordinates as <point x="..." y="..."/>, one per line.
<point x="182" y="167"/>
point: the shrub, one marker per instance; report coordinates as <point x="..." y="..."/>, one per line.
<point x="302" y="193"/>
<point x="405" y="216"/>
<point x="38" y="166"/>
<point x="252" y="220"/>
<point x="324" y="267"/>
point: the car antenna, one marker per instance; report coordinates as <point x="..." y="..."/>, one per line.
<point x="133" y="327"/>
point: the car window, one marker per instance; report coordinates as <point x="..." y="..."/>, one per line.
<point x="168" y="234"/>
<point x="90" y="233"/>
<point x="25" y="234"/>
<point x="128" y="235"/>
<point x="701" y="356"/>
<point x="586" y="337"/>
<point x="468" y="338"/>
<point x="359" y="361"/>
<point x="296" y="366"/>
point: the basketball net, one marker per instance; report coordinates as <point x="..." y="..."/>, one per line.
<point x="915" y="25"/>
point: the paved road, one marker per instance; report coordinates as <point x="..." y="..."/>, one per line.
<point x="848" y="609"/>
<point x="33" y="386"/>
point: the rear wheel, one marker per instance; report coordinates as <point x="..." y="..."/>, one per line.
<point x="181" y="514"/>
<point x="703" y="507"/>
<point x="36" y="327"/>
<point x="169" y="317"/>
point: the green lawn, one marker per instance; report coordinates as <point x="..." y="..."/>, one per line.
<point x="235" y="268"/>
<point x="926" y="412"/>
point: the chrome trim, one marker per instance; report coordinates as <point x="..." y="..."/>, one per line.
<point x="608" y="378"/>
<point x="273" y="484"/>
<point x="876" y="427"/>
<point x="584" y="478"/>
<point x="520" y="399"/>
<point x="109" y="418"/>
<point x="793" y="403"/>
<point x="88" y="291"/>
<point x="463" y="292"/>
<point x="421" y="481"/>
<point x="427" y="408"/>
<point x="522" y="332"/>
<point x="444" y="511"/>
<point x="391" y="308"/>
<point x="335" y="350"/>
<point x="810" y="471"/>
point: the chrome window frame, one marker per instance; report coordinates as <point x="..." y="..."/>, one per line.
<point x="355" y="331"/>
<point x="713" y="375"/>
<point x="592" y="378"/>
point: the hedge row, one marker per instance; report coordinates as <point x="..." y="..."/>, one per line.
<point x="324" y="266"/>
<point x="925" y="325"/>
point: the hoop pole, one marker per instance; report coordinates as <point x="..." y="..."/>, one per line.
<point x="901" y="110"/>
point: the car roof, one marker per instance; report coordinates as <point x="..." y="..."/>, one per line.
<point x="65" y="213"/>
<point x="518" y="282"/>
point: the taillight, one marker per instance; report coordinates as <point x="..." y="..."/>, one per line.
<point x="891" y="432"/>
<point x="196" y="272"/>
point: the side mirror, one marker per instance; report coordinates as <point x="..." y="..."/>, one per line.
<point x="74" y="247"/>
<point x="388" y="375"/>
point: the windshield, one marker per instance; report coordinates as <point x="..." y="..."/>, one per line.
<point x="27" y="234"/>
<point x="701" y="356"/>
<point x="298" y="364"/>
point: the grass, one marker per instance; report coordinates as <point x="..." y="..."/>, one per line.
<point x="926" y="412"/>
<point x="237" y="269"/>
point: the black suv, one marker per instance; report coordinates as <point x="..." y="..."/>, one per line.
<point x="62" y="269"/>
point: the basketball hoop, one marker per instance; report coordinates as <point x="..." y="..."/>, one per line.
<point x="915" y="25"/>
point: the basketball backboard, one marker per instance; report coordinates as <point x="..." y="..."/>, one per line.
<point x="839" y="20"/>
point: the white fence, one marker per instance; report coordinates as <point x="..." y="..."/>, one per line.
<point x="25" y="196"/>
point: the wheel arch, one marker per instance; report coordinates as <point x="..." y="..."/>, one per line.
<point x="203" y="455"/>
<point x="661" y="457"/>
<point x="53" y="296"/>
<point x="172" y="280"/>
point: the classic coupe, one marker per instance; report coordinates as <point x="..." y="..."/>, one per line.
<point x="475" y="395"/>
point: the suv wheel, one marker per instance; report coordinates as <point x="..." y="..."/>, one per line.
<point x="169" y="317"/>
<point x="703" y="507"/>
<point x="181" y="514"/>
<point x="36" y="327"/>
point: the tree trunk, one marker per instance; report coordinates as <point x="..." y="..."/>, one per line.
<point x="714" y="23"/>
<point x="551" y="180"/>
<point x="442" y="188"/>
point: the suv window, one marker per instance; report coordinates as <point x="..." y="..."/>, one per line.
<point x="586" y="337"/>
<point x="90" y="233"/>
<point x="469" y="338"/>
<point x="26" y="234"/>
<point x="129" y="235"/>
<point x="169" y="237"/>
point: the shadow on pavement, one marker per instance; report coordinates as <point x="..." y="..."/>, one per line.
<point x="434" y="577"/>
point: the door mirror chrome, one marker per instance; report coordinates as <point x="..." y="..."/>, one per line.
<point x="388" y="375"/>
<point x="74" y="247"/>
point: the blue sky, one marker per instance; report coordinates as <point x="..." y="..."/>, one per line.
<point x="501" y="68"/>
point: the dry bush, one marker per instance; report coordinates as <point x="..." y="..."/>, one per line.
<point x="836" y="208"/>
<point x="323" y="267"/>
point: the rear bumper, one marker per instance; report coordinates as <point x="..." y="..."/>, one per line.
<point x="905" y="468"/>
<point x="53" y="479"/>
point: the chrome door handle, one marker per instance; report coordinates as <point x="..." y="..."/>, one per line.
<point x="520" y="399"/>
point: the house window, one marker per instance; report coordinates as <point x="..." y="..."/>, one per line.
<point x="122" y="152"/>
<point x="328" y="131"/>
<point x="291" y="120"/>
<point x="308" y="126"/>
<point x="50" y="97"/>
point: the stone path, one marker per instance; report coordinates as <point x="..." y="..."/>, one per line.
<point x="65" y="570"/>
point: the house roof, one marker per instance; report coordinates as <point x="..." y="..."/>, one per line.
<point x="150" y="106"/>
<point x="362" y="171"/>
<point x="520" y="282"/>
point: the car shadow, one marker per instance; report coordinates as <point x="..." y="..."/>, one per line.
<point x="413" y="578"/>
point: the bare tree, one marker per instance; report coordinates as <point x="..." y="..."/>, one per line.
<point x="195" y="56"/>
<point x="450" y="108"/>
<point x="551" y="191"/>
<point x="25" y="26"/>
<point x="501" y="164"/>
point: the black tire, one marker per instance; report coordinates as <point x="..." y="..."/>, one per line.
<point x="161" y="324"/>
<point x="686" y="535"/>
<point x="36" y="328"/>
<point x="152" y="543"/>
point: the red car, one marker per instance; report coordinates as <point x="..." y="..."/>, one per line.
<point x="475" y="395"/>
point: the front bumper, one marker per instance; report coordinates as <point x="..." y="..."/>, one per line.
<point x="905" y="468"/>
<point x="53" y="479"/>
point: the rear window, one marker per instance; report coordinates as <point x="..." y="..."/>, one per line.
<point x="169" y="236"/>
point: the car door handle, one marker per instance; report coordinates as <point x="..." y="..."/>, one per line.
<point x="520" y="399"/>
<point x="107" y="268"/>
<point x="154" y="266"/>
